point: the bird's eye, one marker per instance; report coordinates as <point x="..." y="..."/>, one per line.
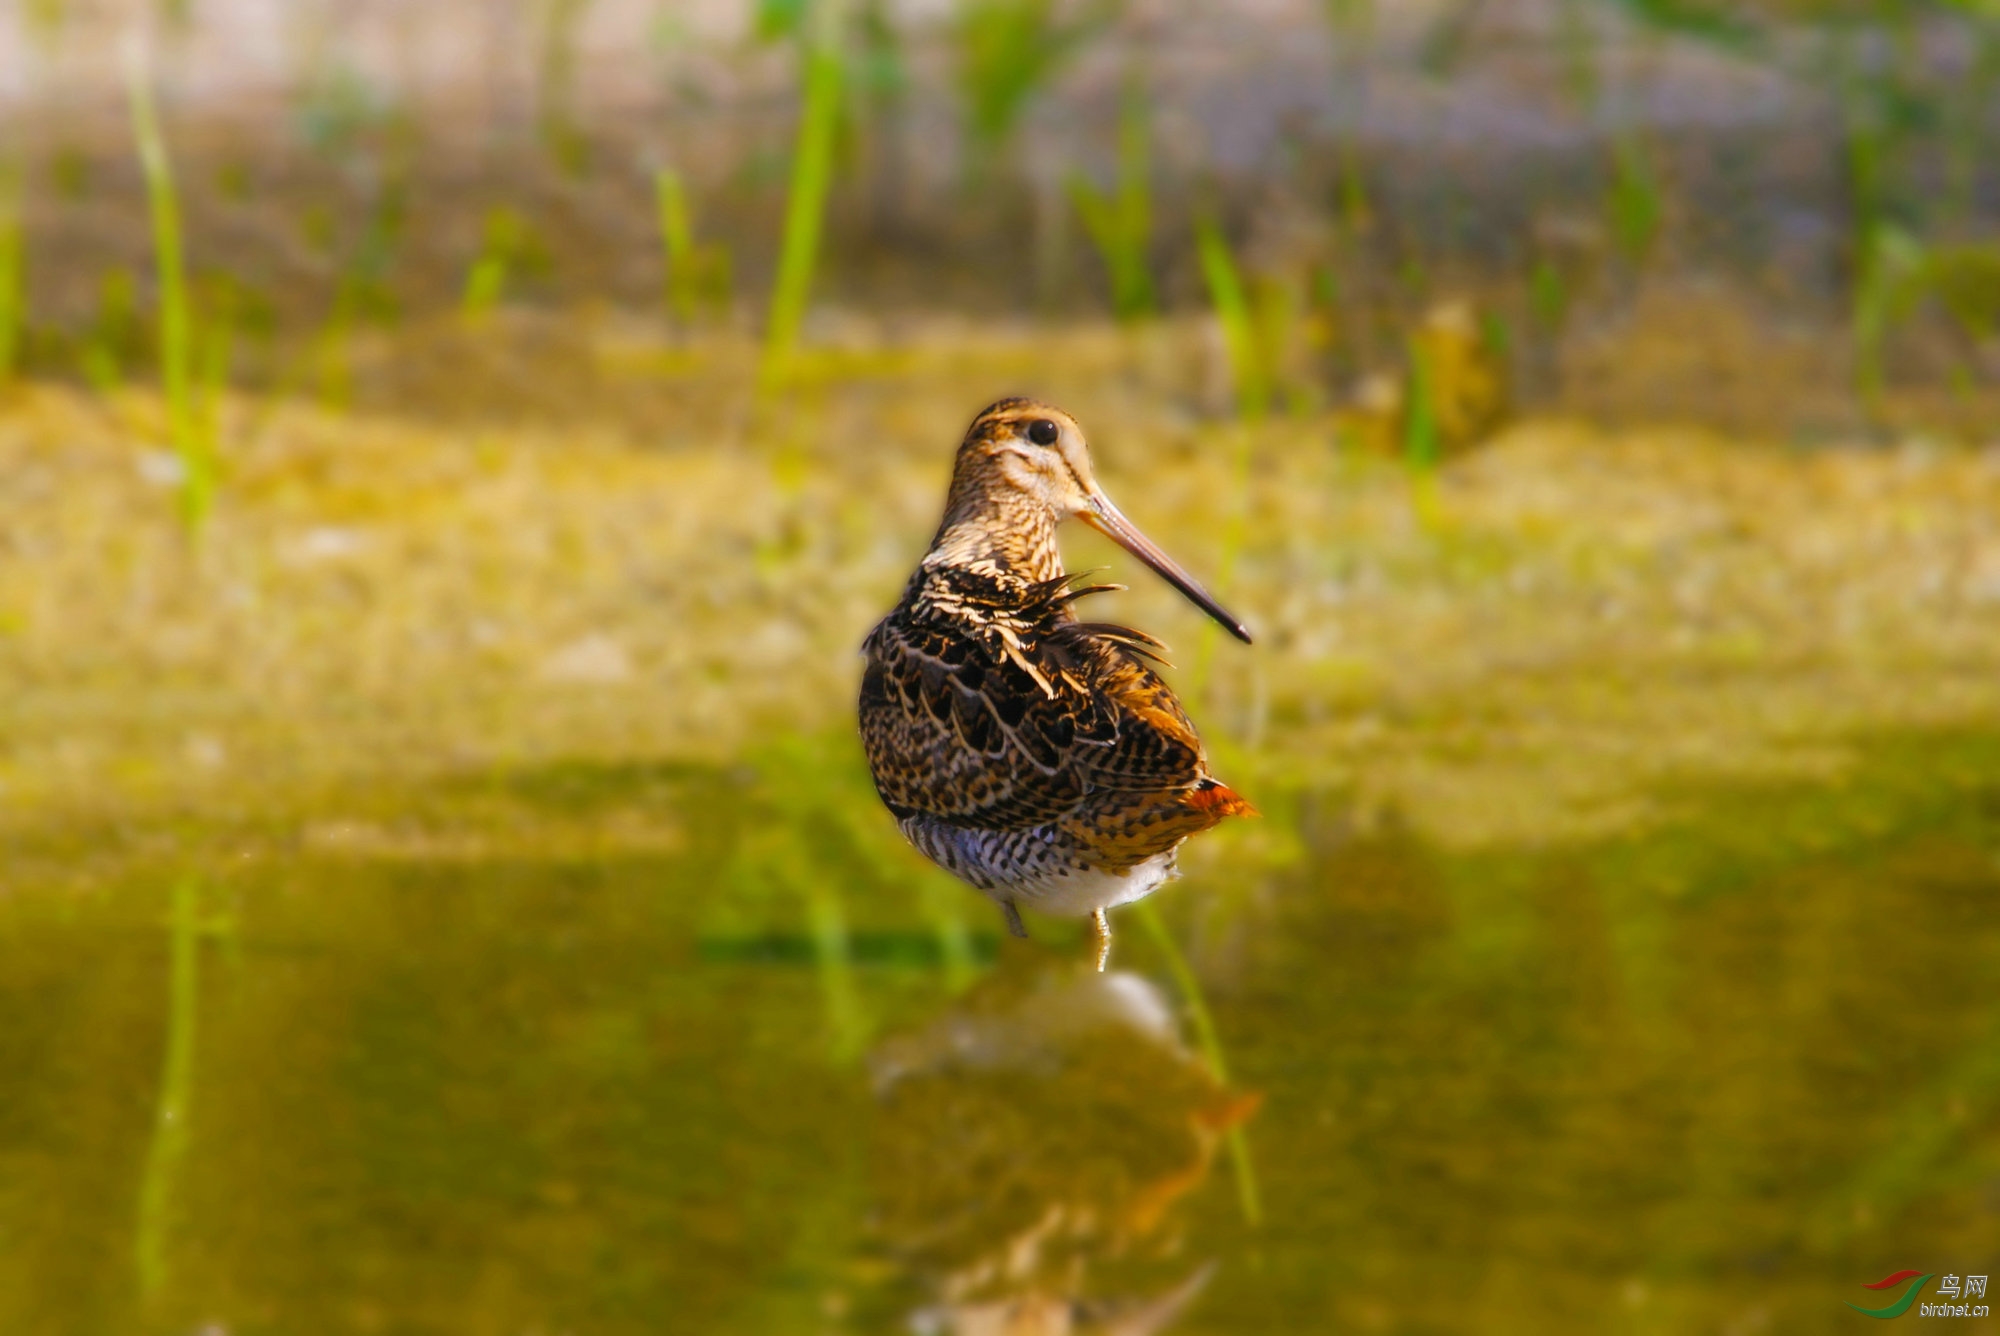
<point x="1043" y="432"/>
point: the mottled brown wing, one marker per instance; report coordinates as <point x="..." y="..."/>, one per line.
<point x="1155" y="746"/>
<point x="1123" y="830"/>
<point x="950" y="732"/>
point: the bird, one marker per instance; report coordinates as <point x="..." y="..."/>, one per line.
<point x="1039" y="758"/>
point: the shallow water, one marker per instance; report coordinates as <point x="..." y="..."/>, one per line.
<point x="735" y="1063"/>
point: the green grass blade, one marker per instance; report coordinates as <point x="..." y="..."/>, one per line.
<point x="485" y="283"/>
<point x="1420" y="428"/>
<point x="1119" y="224"/>
<point x="1709" y="23"/>
<point x="1233" y="537"/>
<point x="805" y="206"/>
<point x="1099" y="221"/>
<point x="943" y="906"/>
<point x="167" y="1146"/>
<point x="677" y="239"/>
<point x="1637" y="202"/>
<point x="509" y="245"/>
<point x="834" y="959"/>
<point x="176" y="322"/>
<point x="13" y="300"/>
<point x="1576" y="36"/>
<point x="1893" y="274"/>
<point x="555" y="84"/>
<point x="1246" y="364"/>
<point x="1253" y="394"/>
<point x="1135" y="204"/>
<point x="1232" y="307"/>
<point x="1548" y="295"/>
<point x="1008" y="49"/>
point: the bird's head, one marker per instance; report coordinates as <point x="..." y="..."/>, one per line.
<point x="1022" y="450"/>
<point x="1029" y="448"/>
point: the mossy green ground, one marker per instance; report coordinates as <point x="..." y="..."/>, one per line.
<point x="1516" y="646"/>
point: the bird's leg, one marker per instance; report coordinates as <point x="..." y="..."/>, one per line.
<point x="1014" y="924"/>
<point x="1100" y="936"/>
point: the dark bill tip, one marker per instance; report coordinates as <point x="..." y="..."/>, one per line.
<point x="1106" y="519"/>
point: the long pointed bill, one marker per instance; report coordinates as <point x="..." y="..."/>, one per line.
<point x="1104" y="517"/>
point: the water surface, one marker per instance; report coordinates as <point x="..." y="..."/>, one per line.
<point x="729" y="1061"/>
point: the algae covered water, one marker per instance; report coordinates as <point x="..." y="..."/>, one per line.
<point x="581" y="1049"/>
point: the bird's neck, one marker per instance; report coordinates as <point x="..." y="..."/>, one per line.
<point x="997" y="532"/>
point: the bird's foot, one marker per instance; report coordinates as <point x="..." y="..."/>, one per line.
<point x="1100" y="938"/>
<point x="1014" y="924"/>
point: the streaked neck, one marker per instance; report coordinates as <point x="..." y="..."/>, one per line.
<point x="998" y="532"/>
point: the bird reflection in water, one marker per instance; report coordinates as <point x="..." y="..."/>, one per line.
<point x="1033" y="1150"/>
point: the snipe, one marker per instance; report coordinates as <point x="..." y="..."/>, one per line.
<point x="1038" y="757"/>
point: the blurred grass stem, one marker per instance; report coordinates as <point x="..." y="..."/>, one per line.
<point x="13" y="300"/>
<point x="1421" y="446"/>
<point x="1247" y="364"/>
<point x="805" y="204"/>
<point x="556" y="80"/>
<point x="218" y="345"/>
<point x="1249" y="370"/>
<point x="197" y="486"/>
<point x="485" y="284"/>
<point x="677" y="236"/>
<point x="1120" y="223"/>
<point x="1007" y="50"/>
<point x="834" y="958"/>
<point x="1352" y="23"/>
<point x="167" y="1146"/>
<point x="1247" y="1195"/>
<point x="942" y="906"/>
<point x="1637" y="202"/>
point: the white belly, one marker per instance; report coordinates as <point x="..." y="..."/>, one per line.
<point x="1082" y="891"/>
<point x="1034" y="868"/>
